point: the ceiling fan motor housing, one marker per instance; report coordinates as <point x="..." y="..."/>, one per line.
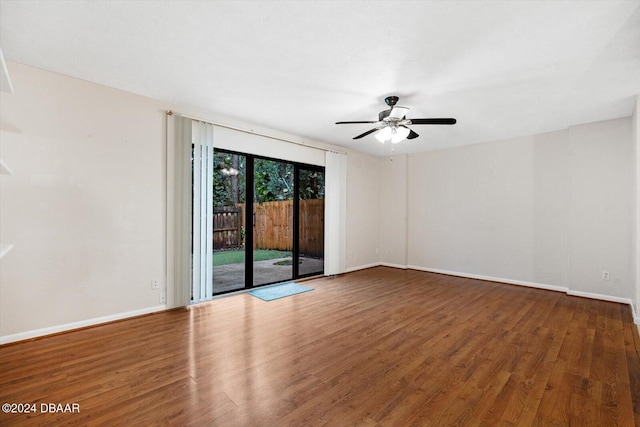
<point x="391" y="100"/>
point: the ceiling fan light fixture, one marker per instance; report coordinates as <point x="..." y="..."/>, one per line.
<point x="392" y="134"/>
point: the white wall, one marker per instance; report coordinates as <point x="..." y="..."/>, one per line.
<point x="363" y="196"/>
<point x="393" y="211"/>
<point x="85" y="207"/>
<point x="466" y="206"/>
<point x="552" y="209"/>
<point x="601" y="206"/>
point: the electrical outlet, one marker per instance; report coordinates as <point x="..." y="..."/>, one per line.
<point x="605" y="275"/>
<point x="154" y="284"/>
<point x="163" y="298"/>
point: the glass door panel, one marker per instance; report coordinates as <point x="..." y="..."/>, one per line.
<point x="229" y="221"/>
<point x="311" y="222"/>
<point x="272" y="221"/>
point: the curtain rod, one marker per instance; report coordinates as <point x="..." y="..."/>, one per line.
<point x="171" y="113"/>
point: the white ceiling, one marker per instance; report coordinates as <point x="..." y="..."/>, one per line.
<point x="502" y="68"/>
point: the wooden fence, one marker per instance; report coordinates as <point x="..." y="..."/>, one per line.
<point x="312" y="227"/>
<point x="273" y="226"/>
<point x="227" y="227"/>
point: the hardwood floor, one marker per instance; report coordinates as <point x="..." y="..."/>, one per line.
<point x="378" y="347"/>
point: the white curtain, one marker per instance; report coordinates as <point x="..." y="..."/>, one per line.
<point x="190" y="192"/>
<point x="179" y="216"/>
<point x="202" y="278"/>
<point x="335" y="226"/>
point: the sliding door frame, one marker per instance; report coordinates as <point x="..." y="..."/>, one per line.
<point x="296" y="223"/>
<point x="249" y="220"/>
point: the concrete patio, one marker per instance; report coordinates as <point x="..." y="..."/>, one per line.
<point x="230" y="277"/>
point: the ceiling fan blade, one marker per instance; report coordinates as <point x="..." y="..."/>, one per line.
<point x="347" y="123"/>
<point x="412" y="135"/>
<point x="432" y="122"/>
<point x="366" y="133"/>
<point x="398" y="112"/>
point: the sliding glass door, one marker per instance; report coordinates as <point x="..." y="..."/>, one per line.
<point x="268" y="221"/>
<point x="229" y="221"/>
<point x="310" y="221"/>
<point x="273" y="184"/>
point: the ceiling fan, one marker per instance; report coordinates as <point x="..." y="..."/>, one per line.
<point x="392" y="123"/>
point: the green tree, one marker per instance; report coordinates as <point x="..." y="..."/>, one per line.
<point x="228" y="179"/>
<point x="273" y="181"/>
<point x="311" y="184"/>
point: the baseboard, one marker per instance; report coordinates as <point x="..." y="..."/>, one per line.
<point x="493" y="279"/>
<point x="375" y="264"/>
<point x="77" y="325"/>
<point x="636" y="315"/>
<point x="601" y="297"/>
<point x="555" y="288"/>
<point x="361" y="267"/>
<point x="634" y="312"/>
<point x="388" y="264"/>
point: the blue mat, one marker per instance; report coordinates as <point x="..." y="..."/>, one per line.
<point x="279" y="291"/>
